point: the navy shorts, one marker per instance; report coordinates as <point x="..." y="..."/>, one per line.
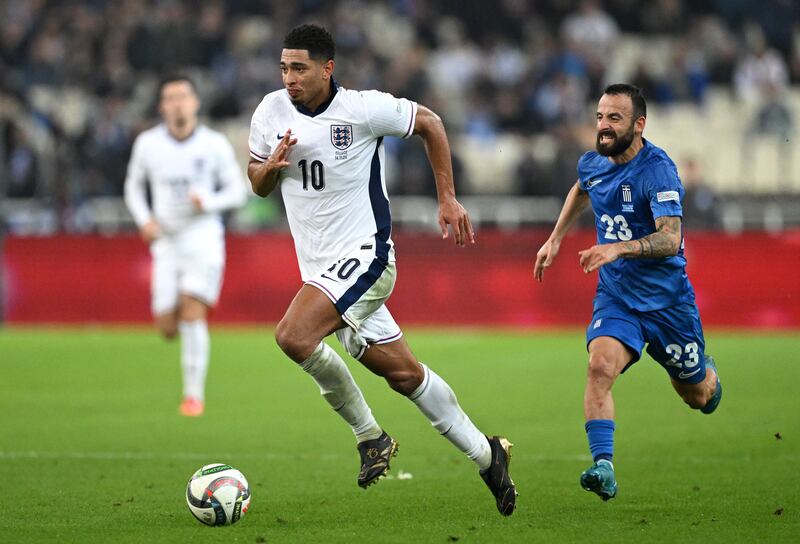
<point x="674" y="335"/>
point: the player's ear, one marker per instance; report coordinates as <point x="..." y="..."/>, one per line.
<point x="327" y="69"/>
<point x="640" y="123"/>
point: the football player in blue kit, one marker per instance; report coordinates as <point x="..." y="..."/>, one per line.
<point x="644" y="296"/>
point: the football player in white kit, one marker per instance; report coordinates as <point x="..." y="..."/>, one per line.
<point x="193" y="177"/>
<point x="322" y="144"/>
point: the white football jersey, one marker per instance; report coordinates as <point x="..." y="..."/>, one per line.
<point x="203" y="164"/>
<point x="334" y="190"/>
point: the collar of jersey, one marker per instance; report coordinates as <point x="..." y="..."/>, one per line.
<point x="322" y="107"/>
<point x="177" y="141"/>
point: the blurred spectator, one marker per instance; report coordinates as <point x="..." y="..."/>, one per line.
<point x="762" y="71"/>
<point x="685" y="79"/>
<point x="593" y="34"/>
<point x="79" y="75"/>
<point x="700" y="203"/>
<point x="21" y="168"/>
<point x="532" y="177"/>
<point x="664" y="16"/>
<point x="762" y="80"/>
<point x="795" y="58"/>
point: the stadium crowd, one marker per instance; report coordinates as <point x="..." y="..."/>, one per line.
<point x="78" y="77"/>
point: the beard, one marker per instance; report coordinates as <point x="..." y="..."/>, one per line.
<point x="618" y="144"/>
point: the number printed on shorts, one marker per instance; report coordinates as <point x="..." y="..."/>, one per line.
<point x="623" y="233"/>
<point x="346" y="268"/>
<point x="691" y="351"/>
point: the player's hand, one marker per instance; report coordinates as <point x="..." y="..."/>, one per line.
<point x="596" y="256"/>
<point x="452" y="213"/>
<point x="279" y="158"/>
<point x="197" y="201"/>
<point x="150" y="231"/>
<point x="545" y="257"/>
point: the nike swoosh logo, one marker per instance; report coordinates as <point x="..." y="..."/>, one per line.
<point x="683" y="375"/>
<point x="592" y="183"/>
<point x="327" y="277"/>
<point x="280" y="136"/>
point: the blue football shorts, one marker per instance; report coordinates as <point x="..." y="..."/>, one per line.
<point x="674" y="335"/>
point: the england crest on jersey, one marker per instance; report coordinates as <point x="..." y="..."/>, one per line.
<point x="341" y="136"/>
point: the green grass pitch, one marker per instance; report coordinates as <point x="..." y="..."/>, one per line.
<point x="92" y="448"/>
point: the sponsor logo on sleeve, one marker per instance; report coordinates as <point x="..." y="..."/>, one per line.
<point x="666" y="196"/>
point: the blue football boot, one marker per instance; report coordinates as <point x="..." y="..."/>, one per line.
<point x="599" y="478"/>
<point x="713" y="402"/>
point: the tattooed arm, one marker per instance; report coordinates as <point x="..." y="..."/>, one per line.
<point x="664" y="242"/>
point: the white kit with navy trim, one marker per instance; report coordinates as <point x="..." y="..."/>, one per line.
<point x="334" y="189"/>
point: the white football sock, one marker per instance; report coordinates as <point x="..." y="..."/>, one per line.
<point x="194" y="357"/>
<point x="437" y="401"/>
<point x="337" y="386"/>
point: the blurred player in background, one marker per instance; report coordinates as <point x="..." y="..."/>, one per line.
<point x="643" y="293"/>
<point x="193" y="177"/>
<point x="323" y="145"/>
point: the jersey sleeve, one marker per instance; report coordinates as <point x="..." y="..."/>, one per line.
<point x="232" y="193"/>
<point x="259" y="134"/>
<point x="389" y="116"/>
<point x="135" y="185"/>
<point x="664" y="190"/>
<point x="583" y="171"/>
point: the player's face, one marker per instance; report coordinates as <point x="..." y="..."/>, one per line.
<point x="179" y="104"/>
<point x="306" y="80"/>
<point x="616" y="127"/>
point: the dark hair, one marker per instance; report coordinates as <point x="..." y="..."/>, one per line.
<point x="315" y="39"/>
<point x="175" y="78"/>
<point x="635" y="94"/>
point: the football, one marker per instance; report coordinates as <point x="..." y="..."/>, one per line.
<point x="218" y="494"/>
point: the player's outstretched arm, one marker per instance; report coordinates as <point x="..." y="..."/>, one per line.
<point x="430" y="128"/>
<point x="577" y="200"/>
<point x="264" y="175"/>
<point x="664" y="242"/>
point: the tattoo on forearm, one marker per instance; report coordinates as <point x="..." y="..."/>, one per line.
<point x="664" y="242"/>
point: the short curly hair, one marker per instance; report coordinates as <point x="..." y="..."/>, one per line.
<point x="313" y="38"/>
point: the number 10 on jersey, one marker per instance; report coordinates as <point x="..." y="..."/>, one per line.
<point x="317" y="175"/>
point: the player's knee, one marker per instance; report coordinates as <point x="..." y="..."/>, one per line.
<point x="695" y="399"/>
<point x="601" y="366"/>
<point x="292" y="343"/>
<point x="405" y="381"/>
<point x="169" y="330"/>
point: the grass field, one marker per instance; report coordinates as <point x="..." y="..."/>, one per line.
<point x="92" y="448"/>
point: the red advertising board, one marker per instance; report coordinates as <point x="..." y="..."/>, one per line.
<point x="749" y="280"/>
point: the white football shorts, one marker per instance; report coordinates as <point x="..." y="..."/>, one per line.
<point x="359" y="284"/>
<point x="190" y="263"/>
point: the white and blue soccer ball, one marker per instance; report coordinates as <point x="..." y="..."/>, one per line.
<point x="218" y="494"/>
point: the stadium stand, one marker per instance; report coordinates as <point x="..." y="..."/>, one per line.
<point x="77" y="83"/>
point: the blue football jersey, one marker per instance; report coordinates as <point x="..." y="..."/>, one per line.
<point x="627" y="198"/>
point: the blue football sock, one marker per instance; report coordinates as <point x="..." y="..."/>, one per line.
<point x="601" y="438"/>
